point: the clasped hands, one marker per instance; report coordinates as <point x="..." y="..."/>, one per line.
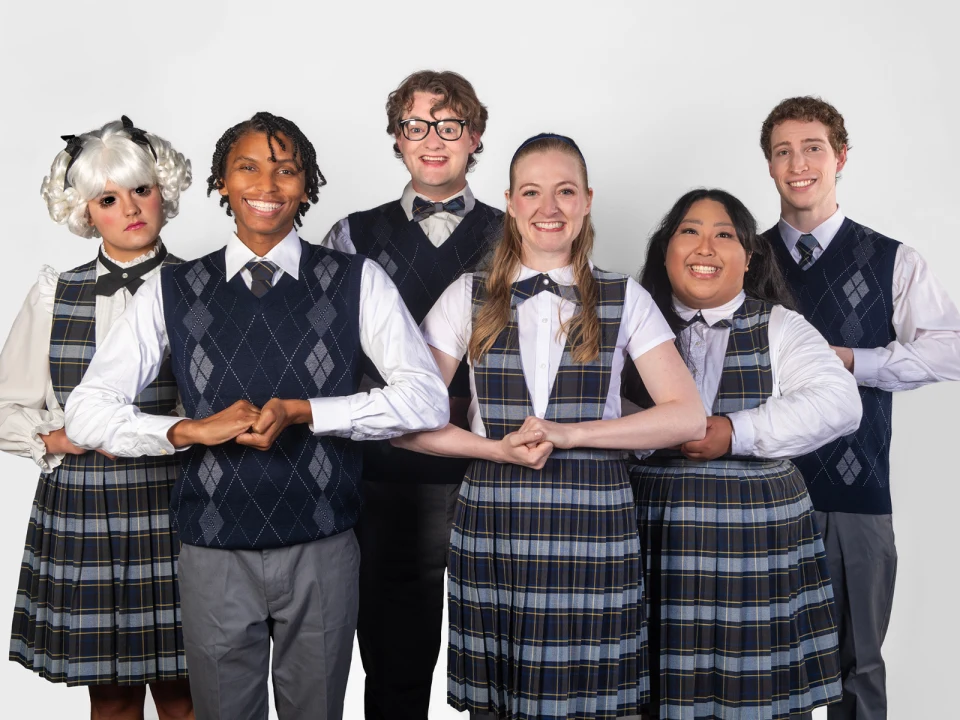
<point x="536" y="439"/>
<point x="244" y="423"/>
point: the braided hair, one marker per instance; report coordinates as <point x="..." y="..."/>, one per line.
<point x="272" y="126"/>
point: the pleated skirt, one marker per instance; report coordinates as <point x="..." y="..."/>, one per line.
<point x="739" y="598"/>
<point x="545" y="593"/>
<point x="97" y="601"/>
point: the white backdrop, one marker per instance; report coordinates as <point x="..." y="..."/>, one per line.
<point x="661" y="98"/>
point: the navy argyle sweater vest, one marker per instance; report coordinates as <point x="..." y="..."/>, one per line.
<point x="421" y="272"/>
<point x="847" y="294"/>
<point x="300" y="340"/>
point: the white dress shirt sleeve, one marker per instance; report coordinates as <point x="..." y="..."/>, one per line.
<point x="449" y="324"/>
<point x="339" y="238"/>
<point x="927" y="325"/>
<point x="815" y="399"/>
<point x="415" y="397"/>
<point x="100" y="412"/>
<point x="28" y="407"/>
<point x="642" y="324"/>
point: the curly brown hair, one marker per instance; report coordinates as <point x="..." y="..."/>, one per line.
<point x="805" y="109"/>
<point x="455" y="92"/>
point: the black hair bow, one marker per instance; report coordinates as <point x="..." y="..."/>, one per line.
<point x="74" y="146"/>
<point x="137" y="135"/>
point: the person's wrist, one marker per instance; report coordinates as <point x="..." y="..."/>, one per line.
<point x="499" y="450"/>
<point x="300" y="412"/>
<point x="183" y="433"/>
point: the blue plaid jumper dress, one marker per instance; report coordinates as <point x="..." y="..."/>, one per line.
<point x="545" y="583"/>
<point x="97" y="601"/>
<point x="739" y="598"/>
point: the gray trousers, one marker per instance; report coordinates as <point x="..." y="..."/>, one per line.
<point x="863" y="567"/>
<point x="304" y="597"/>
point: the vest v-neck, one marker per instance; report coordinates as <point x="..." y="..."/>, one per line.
<point x="826" y="257"/>
<point x="245" y="295"/>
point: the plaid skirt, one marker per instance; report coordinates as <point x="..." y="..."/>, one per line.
<point x="97" y="601"/>
<point x="545" y="593"/>
<point x="738" y="592"/>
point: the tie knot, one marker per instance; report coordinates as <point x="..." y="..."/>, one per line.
<point x="262" y="272"/>
<point x="423" y="208"/>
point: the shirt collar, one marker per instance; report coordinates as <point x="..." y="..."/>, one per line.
<point x="562" y="276"/>
<point x="101" y="270"/>
<point x="711" y="315"/>
<point x="824" y="232"/>
<point x="406" y="199"/>
<point x="286" y="254"/>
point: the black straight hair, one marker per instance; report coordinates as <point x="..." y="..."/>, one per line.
<point x="763" y="281"/>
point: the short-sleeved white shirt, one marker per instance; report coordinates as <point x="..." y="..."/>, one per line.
<point x="449" y="324"/>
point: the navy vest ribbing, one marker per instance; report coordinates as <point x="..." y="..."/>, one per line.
<point x="300" y="340"/>
<point x="848" y="296"/>
<point x="421" y="272"/>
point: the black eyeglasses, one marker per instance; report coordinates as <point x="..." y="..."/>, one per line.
<point x="416" y="129"/>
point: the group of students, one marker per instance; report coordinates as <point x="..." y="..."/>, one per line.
<point x="601" y="466"/>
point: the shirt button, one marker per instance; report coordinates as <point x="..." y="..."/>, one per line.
<point x="124" y="276"/>
<point x="543" y="366"/>
<point x="543" y="320"/>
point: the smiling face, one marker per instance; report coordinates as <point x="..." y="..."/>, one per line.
<point x="438" y="168"/>
<point x="705" y="260"/>
<point x="265" y="193"/>
<point x="548" y="202"/>
<point x="804" y="166"/>
<point x="128" y="220"/>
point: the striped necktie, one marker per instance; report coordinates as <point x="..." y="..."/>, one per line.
<point x="805" y="246"/>
<point x="262" y="272"/>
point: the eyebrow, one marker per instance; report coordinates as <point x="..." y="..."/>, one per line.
<point x="805" y="140"/>
<point x="695" y="221"/>
<point x="245" y="158"/>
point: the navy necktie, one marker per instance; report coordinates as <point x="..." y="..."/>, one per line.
<point x="805" y="246"/>
<point x="423" y="208"/>
<point x="262" y="272"/>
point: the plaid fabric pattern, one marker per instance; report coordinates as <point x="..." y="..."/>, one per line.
<point x="421" y="272"/>
<point x="579" y="392"/>
<point x="847" y="295"/>
<point x="545" y="584"/>
<point x="747" y="378"/>
<point x="300" y="340"/>
<point x="97" y="601"/>
<point x="739" y="598"/>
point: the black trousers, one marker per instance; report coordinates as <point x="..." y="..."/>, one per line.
<point x="404" y="534"/>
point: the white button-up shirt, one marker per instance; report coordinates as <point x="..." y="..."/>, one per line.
<point x="99" y="413"/>
<point x="814" y="399"/>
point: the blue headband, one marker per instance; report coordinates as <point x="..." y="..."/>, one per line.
<point x="548" y="136"/>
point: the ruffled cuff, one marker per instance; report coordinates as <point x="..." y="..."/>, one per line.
<point x="46" y="461"/>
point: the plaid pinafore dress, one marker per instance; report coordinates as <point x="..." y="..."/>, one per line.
<point x="545" y="583"/>
<point x="739" y="600"/>
<point x="97" y="601"/>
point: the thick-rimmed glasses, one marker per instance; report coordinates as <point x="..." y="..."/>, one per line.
<point x="415" y="129"/>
